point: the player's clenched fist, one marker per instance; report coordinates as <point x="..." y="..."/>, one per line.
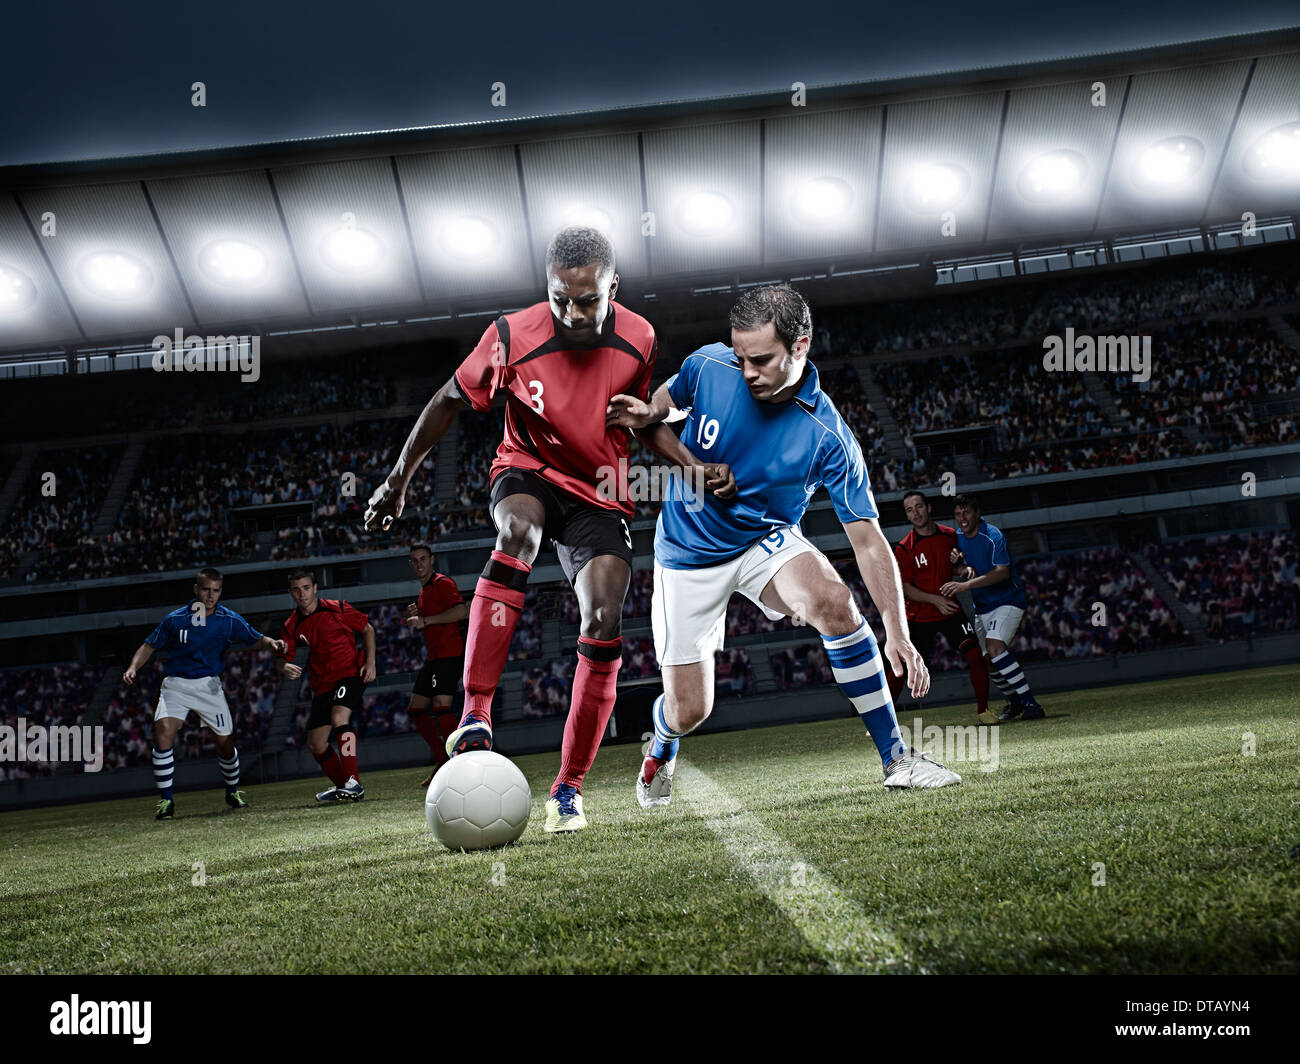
<point x="384" y="507"/>
<point x="719" y="480"/>
<point x="627" y="411"/>
<point x="128" y="677"/>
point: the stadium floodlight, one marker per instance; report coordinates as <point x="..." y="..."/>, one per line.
<point x="115" y="275"/>
<point x="468" y="237"/>
<point x="821" y="201"/>
<point x="1168" y="163"/>
<point x="592" y="217"/>
<point x="1052" y="176"/>
<point x="17" y="292"/>
<point x="351" y="250"/>
<point x="233" y="263"/>
<point x="1276" y="155"/>
<point x="936" y="187"/>
<point x="705" y="213"/>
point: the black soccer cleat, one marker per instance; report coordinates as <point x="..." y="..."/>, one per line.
<point x="235" y="799"/>
<point x="1032" y="711"/>
<point x="1010" y="711"/>
<point x="166" y="809"/>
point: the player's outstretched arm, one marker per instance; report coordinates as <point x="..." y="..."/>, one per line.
<point x="138" y="660"/>
<point x="368" y="670"/>
<point x="879" y="571"/>
<point x="389" y="499"/>
<point x="276" y="646"/>
<point x="994" y="576"/>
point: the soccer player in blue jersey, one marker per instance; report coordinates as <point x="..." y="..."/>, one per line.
<point x="195" y="638"/>
<point x="757" y="407"/>
<point x="990" y="577"/>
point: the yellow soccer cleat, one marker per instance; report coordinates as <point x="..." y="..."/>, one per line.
<point x="987" y="717"/>
<point x="564" y="811"/>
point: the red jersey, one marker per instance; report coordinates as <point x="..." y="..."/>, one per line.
<point x="330" y="632"/>
<point x="923" y="563"/>
<point x="438" y="595"/>
<point x="556" y="394"/>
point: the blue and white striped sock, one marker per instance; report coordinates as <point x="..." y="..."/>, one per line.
<point x="665" y="744"/>
<point x="860" y="671"/>
<point x="164" y="769"/>
<point x="1009" y="668"/>
<point x="230" y="771"/>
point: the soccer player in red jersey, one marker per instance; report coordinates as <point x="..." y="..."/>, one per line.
<point x="558" y="364"/>
<point x="436" y="615"/>
<point x="924" y="562"/>
<point x="337" y="672"/>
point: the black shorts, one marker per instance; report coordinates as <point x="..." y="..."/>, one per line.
<point x="957" y="629"/>
<point x="577" y="530"/>
<point x="439" y="677"/>
<point x="344" y="693"/>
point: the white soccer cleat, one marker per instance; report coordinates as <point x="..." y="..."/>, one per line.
<point x="920" y="771"/>
<point x="659" y="791"/>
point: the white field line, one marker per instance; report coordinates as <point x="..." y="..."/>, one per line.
<point x="828" y="919"/>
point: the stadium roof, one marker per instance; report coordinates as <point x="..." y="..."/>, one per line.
<point x="425" y="220"/>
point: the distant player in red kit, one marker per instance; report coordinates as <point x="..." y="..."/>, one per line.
<point x="925" y="565"/>
<point x="337" y="672"/>
<point x="436" y="615"/>
<point x="558" y="364"/>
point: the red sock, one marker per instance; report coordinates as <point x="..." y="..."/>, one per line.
<point x="595" y="684"/>
<point x="448" y="722"/>
<point x="424" y="724"/>
<point x="332" y="767"/>
<point x="979" y="676"/>
<point x="498" y="601"/>
<point x="348" y="752"/>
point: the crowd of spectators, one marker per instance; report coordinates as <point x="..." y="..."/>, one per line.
<point x="1207" y="376"/>
<point x="55" y="513"/>
<point x="44" y="696"/>
<point x="1090" y="603"/>
<point x="1243" y="584"/>
<point x="289" y="388"/>
<point x="1119" y="450"/>
<point x="801" y="666"/>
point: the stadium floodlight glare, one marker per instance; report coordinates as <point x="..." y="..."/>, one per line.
<point x="821" y="201"/>
<point x="1276" y="155"/>
<point x="936" y="187"/>
<point x="592" y="217"/>
<point x="115" y="275"/>
<point x="1052" y="176"/>
<point x="17" y="292"/>
<point x="232" y="263"/>
<point x="705" y="213"/>
<point x="468" y="237"/>
<point x="351" y="250"/>
<point x="1168" y="163"/>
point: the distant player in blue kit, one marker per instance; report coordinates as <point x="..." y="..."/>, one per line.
<point x="757" y="408"/>
<point x="990" y="577"/>
<point x="196" y="638"/>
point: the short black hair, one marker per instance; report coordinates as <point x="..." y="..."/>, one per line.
<point x="576" y="246"/>
<point x="298" y="574"/>
<point x="966" y="500"/>
<point x="779" y="304"/>
<point x="908" y="494"/>
<point x="209" y="573"/>
<point x="422" y="546"/>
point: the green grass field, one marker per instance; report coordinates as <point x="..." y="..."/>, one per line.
<point x="781" y="853"/>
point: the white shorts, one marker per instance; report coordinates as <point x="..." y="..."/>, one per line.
<point x="178" y="696"/>
<point x="1001" y="623"/>
<point x="688" y="613"/>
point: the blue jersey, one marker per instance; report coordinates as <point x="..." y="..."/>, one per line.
<point x="986" y="549"/>
<point x="779" y="453"/>
<point x="197" y="650"/>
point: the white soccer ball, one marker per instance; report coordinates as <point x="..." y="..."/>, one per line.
<point x="477" y="801"/>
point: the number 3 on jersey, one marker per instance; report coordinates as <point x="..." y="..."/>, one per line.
<point x="535" y="387"/>
<point x="706" y="435"/>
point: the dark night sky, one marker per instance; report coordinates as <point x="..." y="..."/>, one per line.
<point x="83" y="80"/>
